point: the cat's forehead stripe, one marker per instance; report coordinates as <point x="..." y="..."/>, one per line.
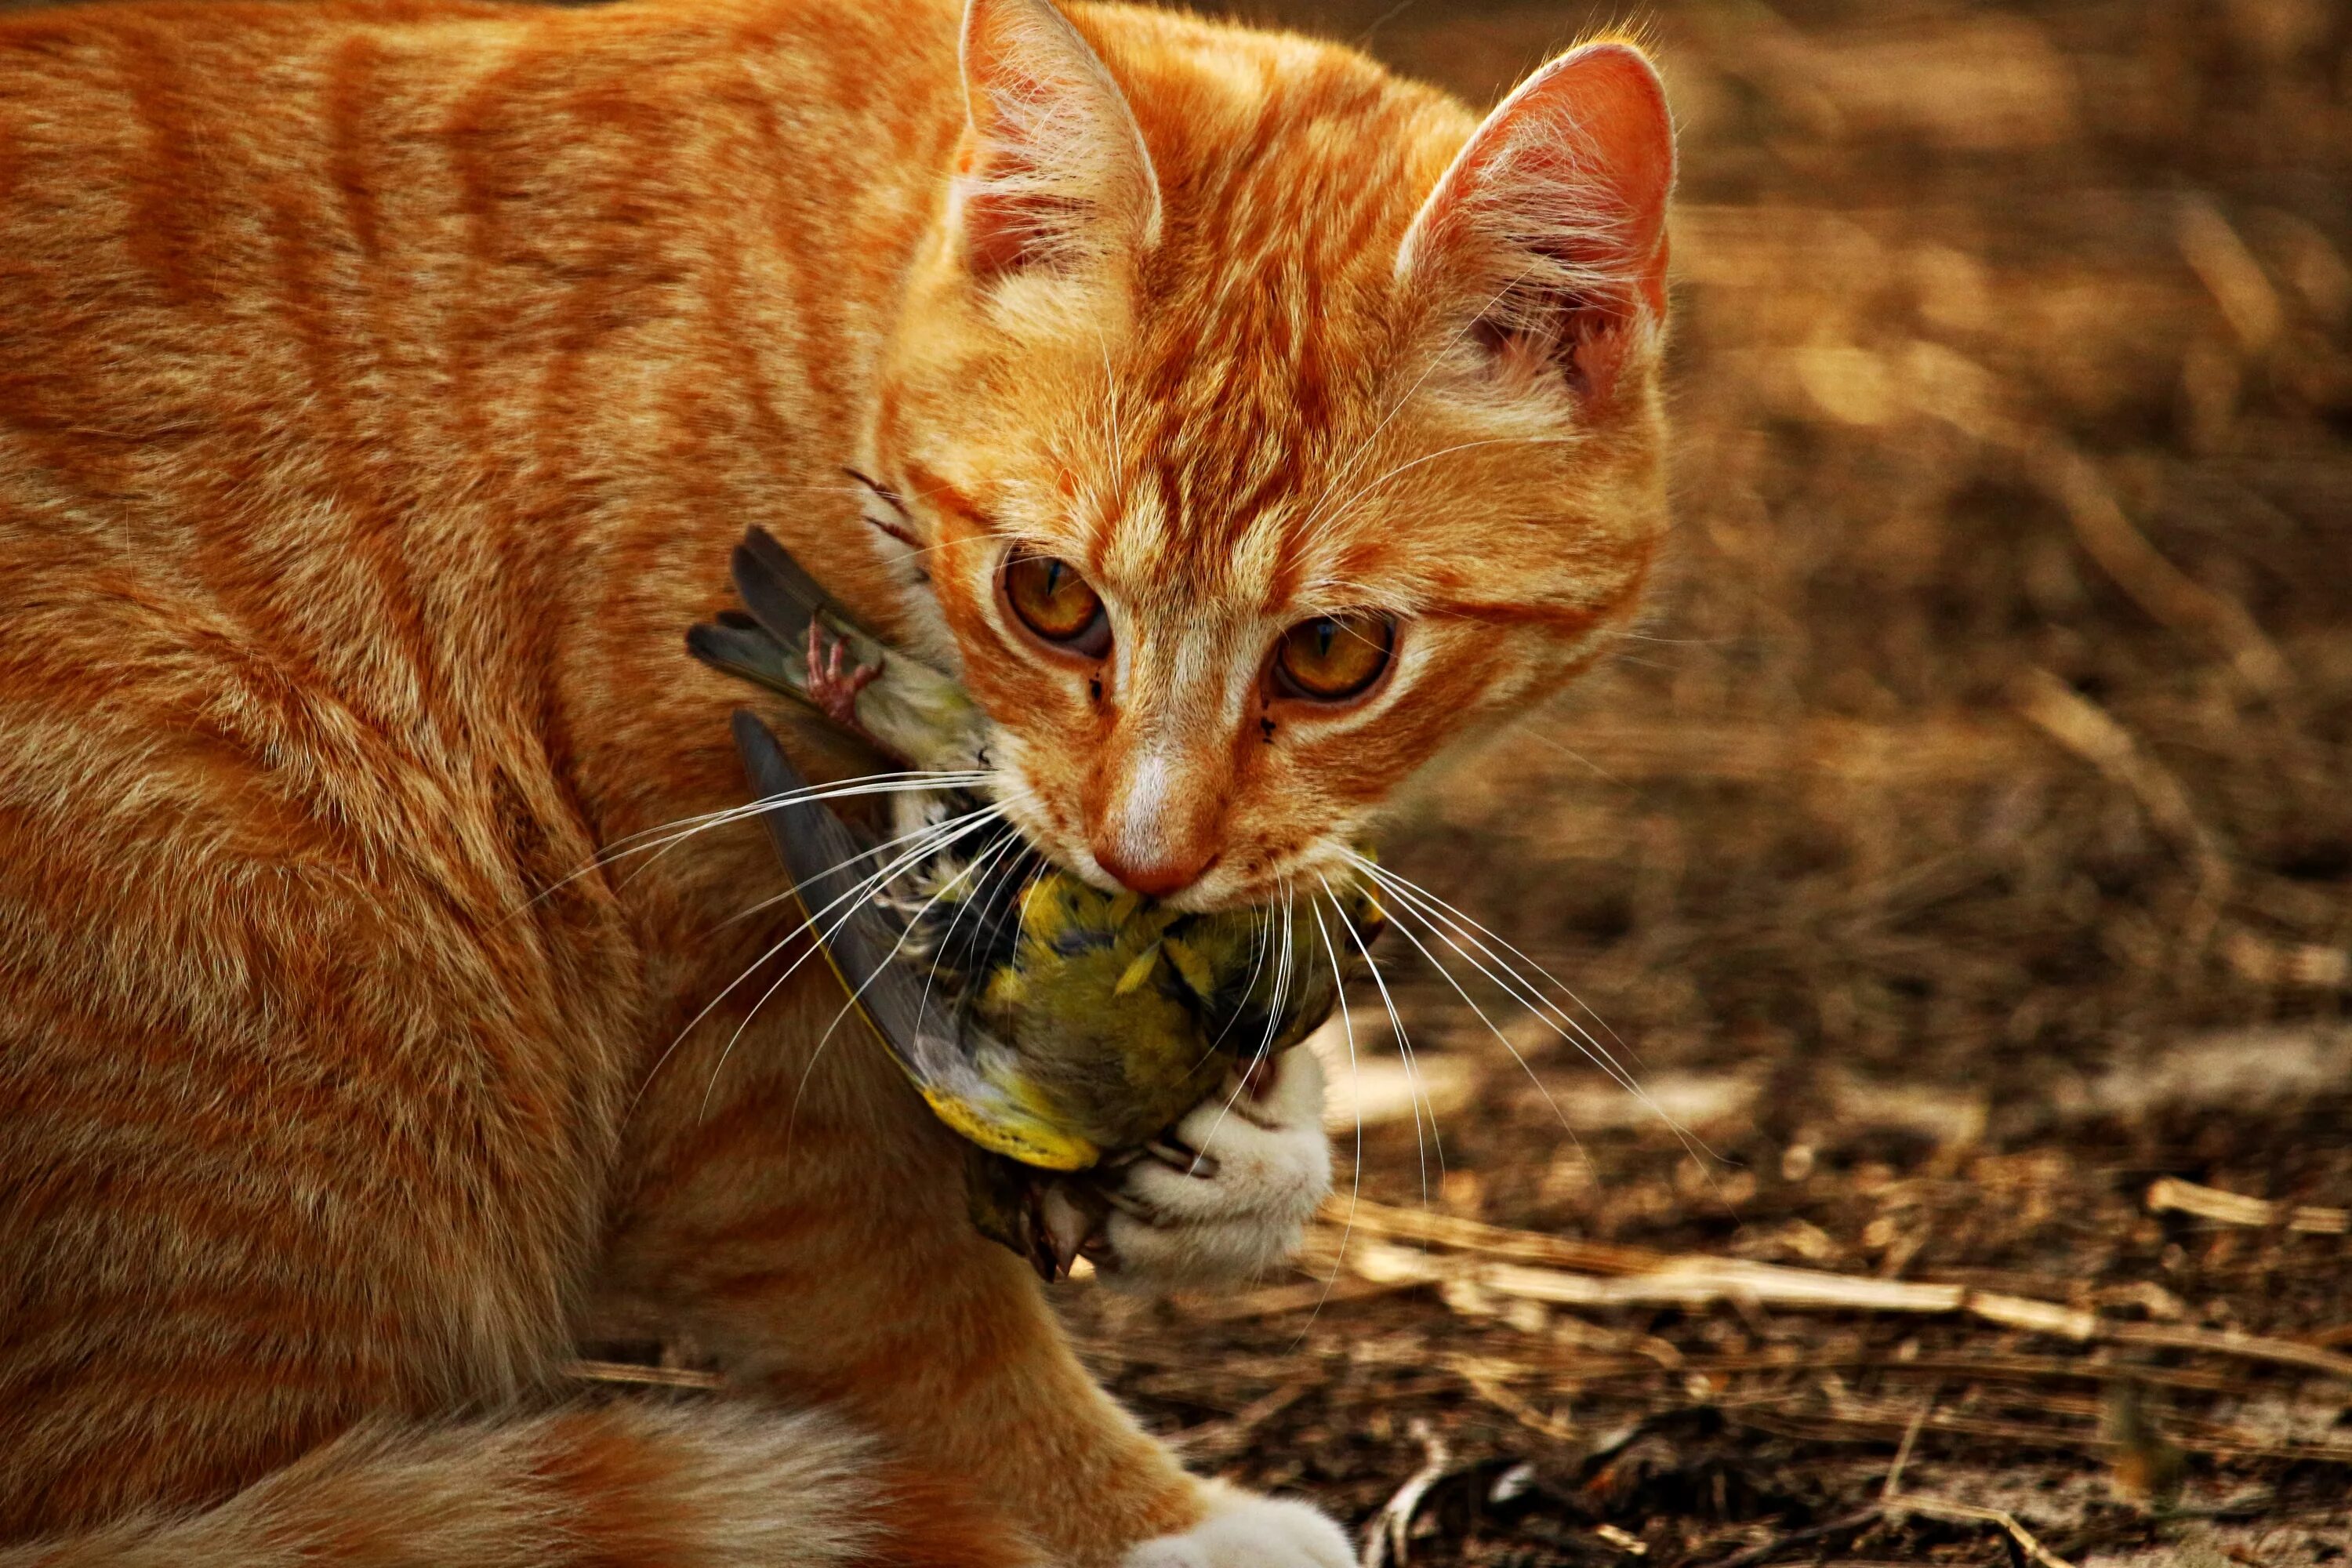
<point x="1266" y="300"/>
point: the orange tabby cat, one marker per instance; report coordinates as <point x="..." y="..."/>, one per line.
<point x="380" y="387"/>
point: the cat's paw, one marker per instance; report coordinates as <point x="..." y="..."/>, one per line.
<point x="1245" y="1530"/>
<point x="1227" y="1195"/>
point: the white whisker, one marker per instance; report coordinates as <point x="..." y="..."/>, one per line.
<point x="1010" y="839"/>
<point x="1404" y="1049"/>
<point x="686" y="826"/>
<point x="850" y="1006"/>
<point x="1355" y="1094"/>
<point x="927" y="838"/>
<point x="1406" y="887"/>
<point x="990" y="855"/>
<point x="1410" y="899"/>
<point x="937" y="839"/>
<point x="843" y="792"/>
<point x="1438" y="964"/>
<point x="1273" y="1024"/>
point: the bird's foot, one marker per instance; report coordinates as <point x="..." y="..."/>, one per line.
<point x="1226" y="1194"/>
<point x="832" y="689"/>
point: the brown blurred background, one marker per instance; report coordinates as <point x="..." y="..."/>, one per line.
<point x="1963" y="845"/>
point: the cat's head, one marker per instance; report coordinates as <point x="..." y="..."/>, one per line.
<point x="1267" y="423"/>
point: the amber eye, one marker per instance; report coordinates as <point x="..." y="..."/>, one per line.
<point x="1058" y="605"/>
<point x="1333" y="657"/>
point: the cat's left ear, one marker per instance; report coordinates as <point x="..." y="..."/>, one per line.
<point x="1549" y="228"/>
<point x="1052" y="174"/>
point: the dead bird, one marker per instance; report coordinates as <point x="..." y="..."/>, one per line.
<point x="1051" y="1024"/>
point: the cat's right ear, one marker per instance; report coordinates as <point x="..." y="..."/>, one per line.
<point x="1549" y="229"/>
<point x="1052" y="174"/>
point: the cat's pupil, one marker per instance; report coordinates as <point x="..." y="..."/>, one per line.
<point x="1326" y="632"/>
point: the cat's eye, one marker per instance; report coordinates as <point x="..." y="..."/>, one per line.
<point x="1058" y="604"/>
<point x="1333" y="657"/>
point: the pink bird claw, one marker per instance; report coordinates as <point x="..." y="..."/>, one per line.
<point x="833" y="690"/>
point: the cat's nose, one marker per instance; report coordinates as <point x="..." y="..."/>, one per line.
<point x="1157" y="876"/>
<point x="1157" y="831"/>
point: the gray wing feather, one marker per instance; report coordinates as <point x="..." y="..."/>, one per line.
<point x="823" y="859"/>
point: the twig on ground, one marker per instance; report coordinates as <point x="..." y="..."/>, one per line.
<point x="1894" y="1500"/>
<point x="1385" y="1537"/>
<point x="1844" y="1525"/>
<point x="1215" y="1438"/>
<point x="1374" y="1218"/>
<point x="1274" y="1300"/>
<point x="2154" y="582"/>
<point x="1487" y="1381"/>
<point x="2092" y="733"/>
<point x="1697" y="1280"/>
<point x="2169" y="1194"/>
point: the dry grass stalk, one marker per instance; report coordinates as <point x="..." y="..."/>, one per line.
<point x="1375" y="1218"/>
<point x="1638" y="1278"/>
<point x="1896" y="1501"/>
<point x="1274" y="1300"/>
<point x="2154" y="582"/>
<point x="1387" y="1536"/>
<point x="2169" y="1194"/>
<point x="2088" y="731"/>
<point x="1487" y="1379"/>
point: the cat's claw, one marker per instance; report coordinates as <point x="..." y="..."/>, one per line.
<point x="1228" y="1194"/>
<point x="832" y="689"/>
<point x="1245" y="1530"/>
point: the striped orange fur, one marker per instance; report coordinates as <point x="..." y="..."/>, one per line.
<point x="381" y="383"/>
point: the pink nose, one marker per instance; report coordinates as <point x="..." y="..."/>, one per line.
<point x="1156" y="877"/>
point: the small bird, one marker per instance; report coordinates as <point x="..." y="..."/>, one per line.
<point x="1055" y="1026"/>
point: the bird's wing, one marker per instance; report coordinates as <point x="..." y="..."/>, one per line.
<point x="744" y="648"/>
<point x="820" y="855"/>
<point x="782" y="596"/>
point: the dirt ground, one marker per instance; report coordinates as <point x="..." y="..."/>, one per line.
<point x="1959" y="860"/>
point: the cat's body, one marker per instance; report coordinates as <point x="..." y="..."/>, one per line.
<point x="381" y="389"/>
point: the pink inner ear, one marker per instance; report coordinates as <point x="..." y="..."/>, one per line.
<point x="1602" y="140"/>
<point x="1008" y="221"/>
<point x="1562" y="196"/>
<point x="1052" y="166"/>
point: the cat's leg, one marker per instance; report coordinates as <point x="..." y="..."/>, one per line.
<point x="620" y="1486"/>
<point x="802" y="1214"/>
<point x="1228" y="1197"/>
<point x="307" y="1115"/>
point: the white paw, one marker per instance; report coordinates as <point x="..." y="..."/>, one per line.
<point x="1229" y="1194"/>
<point x="1243" y="1531"/>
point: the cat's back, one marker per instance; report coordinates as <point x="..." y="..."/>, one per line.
<point x="306" y="1093"/>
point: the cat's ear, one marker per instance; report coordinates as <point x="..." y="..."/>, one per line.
<point x="1053" y="172"/>
<point x="1549" y="229"/>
